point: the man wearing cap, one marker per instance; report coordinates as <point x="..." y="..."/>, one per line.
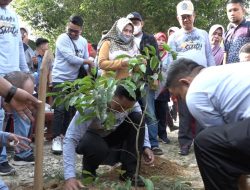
<point x="143" y="40"/>
<point x="193" y="43"/>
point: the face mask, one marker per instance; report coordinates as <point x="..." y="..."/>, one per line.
<point x="125" y="38"/>
<point x="119" y="118"/>
<point x="137" y="29"/>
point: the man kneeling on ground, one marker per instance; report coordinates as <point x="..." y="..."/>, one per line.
<point x="98" y="148"/>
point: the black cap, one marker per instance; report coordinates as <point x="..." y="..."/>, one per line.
<point x="134" y="16"/>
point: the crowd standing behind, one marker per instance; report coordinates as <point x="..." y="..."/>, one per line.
<point x="196" y="51"/>
<point x="142" y="40"/>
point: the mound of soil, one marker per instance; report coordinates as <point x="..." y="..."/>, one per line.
<point x="161" y="168"/>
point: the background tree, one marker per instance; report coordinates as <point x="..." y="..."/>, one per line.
<point x="49" y="17"/>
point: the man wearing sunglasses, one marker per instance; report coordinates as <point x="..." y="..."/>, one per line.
<point x="71" y="54"/>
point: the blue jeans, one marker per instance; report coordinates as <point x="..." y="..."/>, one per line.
<point x="3" y="155"/>
<point x="22" y="128"/>
<point x="150" y="117"/>
<point x="3" y="186"/>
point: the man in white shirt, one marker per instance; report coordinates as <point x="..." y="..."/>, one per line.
<point x="218" y="97"/>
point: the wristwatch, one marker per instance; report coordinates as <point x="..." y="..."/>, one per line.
<point x="10" y="94"/>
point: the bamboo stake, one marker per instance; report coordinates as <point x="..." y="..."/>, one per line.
<point x="39" y="130"/>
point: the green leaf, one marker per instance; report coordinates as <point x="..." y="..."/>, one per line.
<point x="154" y="62"/>
<point x="166" y="47"/>
<point x="155" y="76"/>
<point x="128" y="184"/>
<point x="66" y="104"/>
<point x="51" y="94"/>
<point x="143" y="68"/>
<point x="122" y="56"/>
<point x="73" y="100"/>
<point x="66" y="88"/>
<point x="148" y="184"/>
<point x="174" y="55"/>
<point x="136" y="77"/>
<point x="152" y="50"/>
<point x="142" y="86"/>
<point x="146" y="51"/>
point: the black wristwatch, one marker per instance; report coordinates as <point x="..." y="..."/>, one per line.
<point x="10" y="94"/>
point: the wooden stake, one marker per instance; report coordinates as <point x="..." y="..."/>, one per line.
<point x="39" y="127"/>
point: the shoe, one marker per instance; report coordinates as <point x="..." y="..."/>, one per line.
<point x="6" y="169"/>
<point x="184" y="151"/>
<point x="157" y="151"/>
<point x="174" y="128"/>
<point x="24" y="161"/>
<point x="125" y="177"/>
<point x="165" y="140"/>
<point x="57" y="145"/>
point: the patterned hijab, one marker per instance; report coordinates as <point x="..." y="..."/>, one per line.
<point x="115" y="36"/>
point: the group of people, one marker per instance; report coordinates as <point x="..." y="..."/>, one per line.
<point x="212" y="101"/>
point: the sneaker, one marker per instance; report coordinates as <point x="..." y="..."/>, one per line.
<point x="157" y="151"/>
<point x="57" y="145"/>
<point x="165" y="140"/>
<point x="6" y="169"/>
<point x="24" y="161"/>
<point x="125" y="177"/>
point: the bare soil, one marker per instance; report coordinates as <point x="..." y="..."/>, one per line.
<point x="169" y="172"/>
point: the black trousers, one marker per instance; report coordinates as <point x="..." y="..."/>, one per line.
<point x="161" y="109"/>
<point x="223" y="154"/>
<point x="62" y="117"/>
<point x="97" y="150"/>
<point x="188" y="127"/>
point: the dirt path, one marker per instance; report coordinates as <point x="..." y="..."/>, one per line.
<point x="169" y="169"/>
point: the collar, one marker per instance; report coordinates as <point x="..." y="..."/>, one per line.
<point x="242" y="23"/>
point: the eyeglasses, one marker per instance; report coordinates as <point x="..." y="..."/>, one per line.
<point x="74" y="31"/>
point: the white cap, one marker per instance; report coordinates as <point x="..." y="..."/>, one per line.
<point x="185" y="7"/>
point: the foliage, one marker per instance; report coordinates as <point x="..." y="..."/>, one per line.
<point x="91" y="96"/>
<point x="169" y="49"/>
<point x="48" y="17"/>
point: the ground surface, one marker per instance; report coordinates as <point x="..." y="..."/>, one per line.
<point x="170" y="171"/>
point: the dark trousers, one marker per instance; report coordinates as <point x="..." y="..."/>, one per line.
<point x="161" y="109"/>
<point x="62" y="117"/>
<point x="188" y="127"/>
<point x="223" y="154"/>
<point x="185" y="135"/>
<point x="97" y="150"/>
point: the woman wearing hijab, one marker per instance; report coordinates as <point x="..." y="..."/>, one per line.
<point x="162" y="95"/>
<point x="172" y="30"/>
<point x="215" y="35"/>
<point x="118" y="41"/>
